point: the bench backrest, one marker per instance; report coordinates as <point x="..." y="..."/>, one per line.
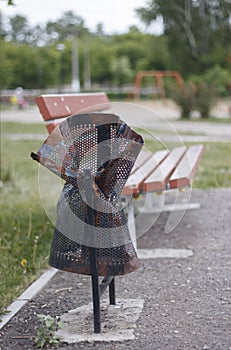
<point x="55" y="107"/>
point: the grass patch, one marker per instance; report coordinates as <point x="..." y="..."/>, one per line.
<point x="25" y="230"/>
<point x="146" y="133"/>
<point x="21" y="128"/>
<point x="215" y="167"/>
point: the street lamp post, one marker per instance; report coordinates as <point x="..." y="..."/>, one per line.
<point x="75" y="65"/>
<point x="61" y="47"/>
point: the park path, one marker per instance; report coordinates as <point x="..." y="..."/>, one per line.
<point x="161" y="118"/>
<point x="186" y="300"/>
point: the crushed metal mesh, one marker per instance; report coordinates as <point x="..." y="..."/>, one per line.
<point x="94" y="153"/>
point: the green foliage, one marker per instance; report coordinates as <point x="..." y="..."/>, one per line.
<point x="129" y="45"/>
<point x="198" y="95"/>
<point x="19" y="28"/>
<point x="190" y="44"/>
<point x="220" y="78"/>
<point x="204" y="98"/>
<point x="193" y="29"/>
<point x="6" y="71"/>
<point x="121" y="70"/>
<point x="101" y="54"/>
<point x="217" y="77"/>
<point x="42" y="66"/>
<point x="46" y="331"/>
<point x="184" y="98"/>
<point x="69" y="25"/>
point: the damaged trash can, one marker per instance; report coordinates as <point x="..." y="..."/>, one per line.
<point x="94" y="153"/>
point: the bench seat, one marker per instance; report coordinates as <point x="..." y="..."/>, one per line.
<point x="164" y="170"/>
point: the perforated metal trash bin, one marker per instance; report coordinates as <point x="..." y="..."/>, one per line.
<point x="94" y="153"/>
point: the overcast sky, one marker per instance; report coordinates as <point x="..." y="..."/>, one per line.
<point x="117" y="16"/>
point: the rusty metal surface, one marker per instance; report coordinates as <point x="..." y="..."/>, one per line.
<point x="106" y="148"/>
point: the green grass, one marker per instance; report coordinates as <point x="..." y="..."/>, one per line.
<point x="26" y="231"/>
<point x="215" y="167"/>
<point x="14" y="128"/>
<point x="146" y="133"/>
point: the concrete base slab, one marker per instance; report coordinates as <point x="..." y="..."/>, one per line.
<point x="117" y="322"/>
<point x="164" y="253"/>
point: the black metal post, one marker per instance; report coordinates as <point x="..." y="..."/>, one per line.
<point x="95" y="292"/>
<point x="97" y="289"/>
<point x="93" y="254"/>
<point x="112" y="298"/>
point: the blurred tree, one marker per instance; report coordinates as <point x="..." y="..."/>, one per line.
<point x="18" y="29"/>
<point x="121" y="70"/>
<point x="129" y="45"/>
<point x="66" y="27"/>
<point x="191" y="27"/>
<point x="144" y="51"/>
<point x="101" y="56"/>
<point x="9" y="2"/>
<point x="2" y="29"/>
<point x="196" y="39"/>
<point x="100" y="29"/>
<point x="6" y="73"/>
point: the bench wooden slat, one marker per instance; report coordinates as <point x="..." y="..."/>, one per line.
<point x="141" y="159"/>
<point x="186" y="169"/>
<point x="53" y="107"/>
<point x="136" y="179"/>
<point x="158" y="179"/>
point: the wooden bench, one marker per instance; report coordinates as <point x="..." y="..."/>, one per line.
<point x="163" y="170"/>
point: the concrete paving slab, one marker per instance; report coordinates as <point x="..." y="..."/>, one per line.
<point x="164" y="253"/>
<point x="118" y="322"/>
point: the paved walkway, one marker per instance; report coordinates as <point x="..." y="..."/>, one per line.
<point x="183" y="299"/>
<point x="157" y="119"/>
<point x="186" y="300"/>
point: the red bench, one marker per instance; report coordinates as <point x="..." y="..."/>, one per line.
<point x="163" y="170"/>
<point x="160" y="171"/>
